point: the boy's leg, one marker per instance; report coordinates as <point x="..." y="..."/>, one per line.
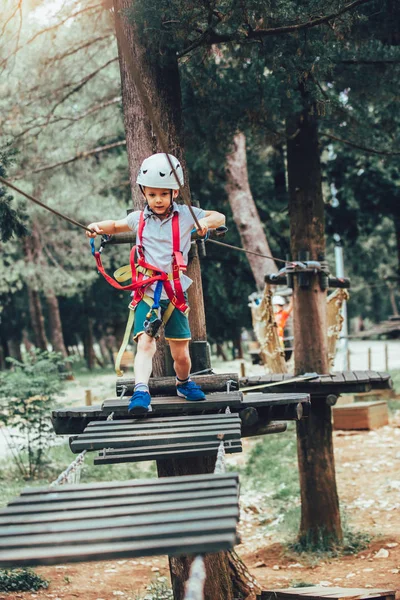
<point x="140" y="401"/>
<point x="185" y="387"/>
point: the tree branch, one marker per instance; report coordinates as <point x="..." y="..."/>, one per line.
<point x="78" y="48"/>
<point x="46" y="29"/>
<point x="359" y="146"/>
<point x="82" y="83"/>
<point x="73" y="119"/>
<point x="84" y="154"/>
<point x="211" y="37"/>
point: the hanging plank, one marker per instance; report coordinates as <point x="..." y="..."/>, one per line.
<point x="190" y="514"/>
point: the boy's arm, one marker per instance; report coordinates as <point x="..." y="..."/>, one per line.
<point x="108" y="227"/>
<point x="212" y="220"/>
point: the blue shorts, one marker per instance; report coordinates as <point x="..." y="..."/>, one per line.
<point x="176" y="328"/>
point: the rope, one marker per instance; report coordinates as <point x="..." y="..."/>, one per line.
<point x="72" y="473"/>
<point x="36" y="201"/>
<point x="220" y="464"/>
<point x="246" y="251"/>
<point x="292" y="380"/>
<point x="195" y="583"/>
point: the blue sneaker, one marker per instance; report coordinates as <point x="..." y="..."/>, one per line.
<point x="191" y="391"/>
<point x="139" y="404"/>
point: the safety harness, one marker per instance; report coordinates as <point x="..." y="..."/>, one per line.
<point x="143" y="275"/>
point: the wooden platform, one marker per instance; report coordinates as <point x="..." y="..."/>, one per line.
<point x="74" y="420"/>
<point x="133" y="440"/>
<point x="105" y="521"/>
<point x="335" y="383"/>
<point x="174" y="404"/>
<point x="361" y="415"/>
<point x="319" y="592"/>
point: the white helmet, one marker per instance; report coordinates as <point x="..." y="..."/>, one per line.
<point x="156" y="172"/>
<point x="278" y="300"/>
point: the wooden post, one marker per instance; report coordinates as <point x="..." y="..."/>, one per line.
<point x="320" y="517"/>
<point x="242" y="369"/>
<point x="348" y="360"/>
<point x="88" y="397"/>
<point x="386" y="357"/>
<point x="369" y="359"/>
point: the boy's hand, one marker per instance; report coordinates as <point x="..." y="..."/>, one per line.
<point x="204" y="227"/>
<point x="96" y="230"/>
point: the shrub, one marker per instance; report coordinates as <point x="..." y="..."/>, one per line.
<point x="27" y="395"/>
<point x="21" y="580"/>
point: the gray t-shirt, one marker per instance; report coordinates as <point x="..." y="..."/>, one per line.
<point x="157" y="239"/>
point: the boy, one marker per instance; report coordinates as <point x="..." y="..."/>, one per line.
<point x="160" y="228"/>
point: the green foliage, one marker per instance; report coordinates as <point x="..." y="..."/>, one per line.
<point x="296" y="583"/>
<point x="21" y="580"/>
<point x="324" y="544"/>
<point x="27" y="396"/>
<point x="11" y="219"/>
<point x="157" y="590"/>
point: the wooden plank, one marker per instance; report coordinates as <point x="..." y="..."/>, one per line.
<point x="176" y="404"/>
<point x="227" y="444"/>
<point x="76" y="495"/>
<point x="67" y="554"/>
<point x="113" y="511"/>
<point x="362" y="376"/>
<point x="337" y="378"/>
<point x="164" y="419"/>
<point x="134" y="484"/>
<point x="120" y="442"/>
<point x="146" y="428"/>
<point x="257" y="399"/>
<point x="142" y="520"/>
<point x="117" y="535"/>
<point x="314" y="592"/>
<point x="166" y="386"/>
<point x="349" y="377"/>
<point x="114" y="458"/>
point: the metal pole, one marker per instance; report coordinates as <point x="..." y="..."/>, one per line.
<point x="343" y="344"/>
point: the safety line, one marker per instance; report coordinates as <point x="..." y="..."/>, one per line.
<point x="36" y="201"/>
<point x="248" y="251"/>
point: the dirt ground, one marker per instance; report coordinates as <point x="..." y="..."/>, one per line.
<point x="368" y="476"/>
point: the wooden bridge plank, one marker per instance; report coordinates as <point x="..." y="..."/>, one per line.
<point x="175" y="403"/>
<point x="149" y="420"/>
<point x="114" y="458"/>
<point x="116" y="535"/>
<point x="114" y="511"/>
<point x="152" y="490"/>
<point x="151" y="519"/>
<point x="163" y="429"/>
<point x="66" y="554"/>
<point x="134" y="441"/>
<point x="215" y="444"/>
<point x="133" y="484"/>
<point x="260" y="398"/>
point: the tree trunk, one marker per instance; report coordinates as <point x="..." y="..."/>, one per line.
<point x="245" y="212"/>
<point x="88" y="349"/>
<point x="320" y="518"/>
<point x="56" y="334"/>
<point x="37" y="319"/>
<point x="161" y="82"/>
<point x="14" y="348"/>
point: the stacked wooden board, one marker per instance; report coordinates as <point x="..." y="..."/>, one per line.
<point x="361" y="415"/>
<point x="317" y="592"/>
<point x="98" y="521"/>
<point x="131" y="440"/>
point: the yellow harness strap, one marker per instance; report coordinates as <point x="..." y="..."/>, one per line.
<point x="129" y="326"/>
<point x="124" y="273"/>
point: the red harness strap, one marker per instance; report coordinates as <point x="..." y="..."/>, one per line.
<point x="139" y="284"/>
